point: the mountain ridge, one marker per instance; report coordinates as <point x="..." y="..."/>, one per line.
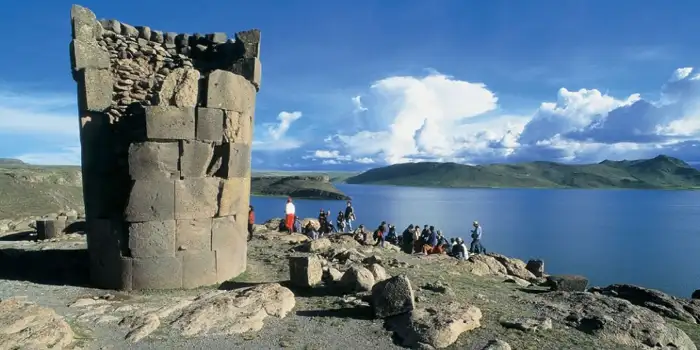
<point x="660" y="172"/>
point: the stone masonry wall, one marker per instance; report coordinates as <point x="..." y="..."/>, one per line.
<point x="166" y="125"/>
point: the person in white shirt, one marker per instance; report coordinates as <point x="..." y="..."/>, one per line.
<point x="290" y="213"/>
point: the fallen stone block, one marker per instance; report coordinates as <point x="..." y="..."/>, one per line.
<point x="393" y="297"/>
<point x="357" y="279"/>
<point x="48" y="229"/>
<point x="435" y="327"/>
<point x="305" y="271"/>
<point x="568" y="283"/>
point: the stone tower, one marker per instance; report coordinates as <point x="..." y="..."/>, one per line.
<point x="166" y="124"/>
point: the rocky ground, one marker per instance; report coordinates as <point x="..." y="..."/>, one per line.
<point x="488" y="302"/>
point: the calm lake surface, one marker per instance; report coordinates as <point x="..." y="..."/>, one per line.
<point x="644" y="237"/>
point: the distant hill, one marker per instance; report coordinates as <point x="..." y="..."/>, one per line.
<point x="10" y="161"/>
<point x="308" y="187"/>
<point x="661" y="172"/>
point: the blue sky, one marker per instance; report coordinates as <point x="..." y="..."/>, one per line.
<point x="360" y="84"/>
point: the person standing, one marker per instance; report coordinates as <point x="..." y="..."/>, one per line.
<point x="476" y="247"/>
<point x="349" y="216"/>
<point x="251" y="221"/>
<point x="290" y="213"/>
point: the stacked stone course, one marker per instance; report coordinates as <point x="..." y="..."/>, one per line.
<point x="166" y="128"/>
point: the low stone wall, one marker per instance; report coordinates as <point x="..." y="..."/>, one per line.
<point x="166" y="129"/>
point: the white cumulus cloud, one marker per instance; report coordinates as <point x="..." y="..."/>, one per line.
<point x="357" y="104"/>
<point x="274" y="136"/>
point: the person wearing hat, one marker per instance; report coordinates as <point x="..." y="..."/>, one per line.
<point x="476" y="247"/>
<point x="289" y="214"/>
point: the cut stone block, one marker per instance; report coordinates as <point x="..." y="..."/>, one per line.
<point x="198" y="268"/>
<point x="48" y="229"/>
<point x="196" y="156"/>
<point x="231" y="262"/>
<point x="235" y="196"/>
<point x="180" y="88"/>
<point x="169" y="123"/>
<point x="230" y="91"/>
<point x="154" y="160"/>
<point x="210" y="124"/>
<point x="305" y="271"/>
<point x="238" y="127"/>
<point x="88" y="55"/>
<point x="151" y="200"/>
<point x="84" y="24"/>
<point x="224" y="232"/>
<point x="238" y="160"/>
<point x="94" y="89"/>
<point x="196" y="198"/>
<point x="251" y="42"/>
<point x="152" y="239"/>
<point x="157" y="273"/>
<point x="194" y="234"/>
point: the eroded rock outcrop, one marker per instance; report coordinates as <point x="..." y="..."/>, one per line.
<point x="25" y="325"/>
<point x="687" y="310"/>
<point x="437" y="327"/>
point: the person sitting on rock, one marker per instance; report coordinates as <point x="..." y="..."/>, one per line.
<point x="459" y="250"/>
<point x="431" y="242"/>
<point x="407" y="239"/>
<point x="442" y="241"/>
<point x="417" y="241"/>
<point x="391" y="235"/>
<point x="311" y="231"/>
<point x="297" y="224"/>
<point x="360" y="234"/>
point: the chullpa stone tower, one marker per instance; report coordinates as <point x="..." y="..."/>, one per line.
<point x="166" y="124"/>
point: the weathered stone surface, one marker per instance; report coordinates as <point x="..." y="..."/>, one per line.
<point x="238" y="160"/>
<point x="47" y="229"/>
<point x="235" y="196"/>
<point x="217" y="38"/>
<point x="654" y="300"/>
<point x="112" y="25"/>
<point x="129" y="31"/>
<point x="233" y="312"/>
<point x="613" y="319"/>
<point x="169" y="123"/>
<point x="392" y="297"/>
<point x="94" y="89"/>
<point x="357" y="278"/>
<point x="316" y="246"/>
<point x="536" y="266"/>
<point x="88" y="55"/>
<point x="480" y="265"/>
<point x="332" y="275"/>
<point x="238" y="127"/>
<point x="497" y="344"/>
<point x="305" y="271"/>
<point x="378" y="272"/>
<point x="224" y="232"/>
<point x="568" y="283"/>
<point x="152" y="239"/>
<point x="435" y="327"/>
<point x="514" y="267"/>
<point x="154" y="160"/>
<point x="157" y="273"/>
<point x="144" y="32"/>
<point x="180" y="88"/>
<point x="196" y="156"/>
<point x="250" y="39"/>
<point x="231" y="261"/>
<point x="256" y="77"/>
<point x="198" y="268"/>
<point x="84" y="24"/>
<point x="151" y="200"/>
<point x="229" y="91"/>
<point x="157" y="36"/>
<point x="194" y="234"/>
<point x="196" y="198"/>
<point x="210" y="124"/>
<point x="25" y="325"/>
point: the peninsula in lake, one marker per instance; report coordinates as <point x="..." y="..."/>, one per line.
<point x="661" y="172"/>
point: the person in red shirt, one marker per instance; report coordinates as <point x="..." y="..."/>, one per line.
<point x="251" y="221"/>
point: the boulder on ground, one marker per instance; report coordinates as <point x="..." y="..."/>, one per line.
<point x="273" y="224"/>
<point x="654" y="300"/>
<point x="25" y="325"/>
<point x="486" y="265"/>
<point x="536" y="266"/>
<point x="237" y="311"/>
<point x="357" y="278"/>
<point x="436" y="328"/>
<point x="696" y="294"/>
<point x="392" y="297"/>
<point x="613" y="319"/>
<point x="314" y="223"/>
<point x="316" y="246"/>
<point x="332" y="275"/>
<point x="518" y="281"/>
<point x="514" y="267"/>
<point x="497" y="344"/>
<point x="305" y="271"/>
<point x="378" y="272"/>
<point x="567" y="283"/>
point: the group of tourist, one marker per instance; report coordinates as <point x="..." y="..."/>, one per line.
<point x="413" y="239"/>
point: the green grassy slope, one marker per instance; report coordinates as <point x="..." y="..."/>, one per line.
<point x="658" y="172"/>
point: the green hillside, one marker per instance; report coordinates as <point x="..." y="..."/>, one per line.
<point x="661" y="172"/>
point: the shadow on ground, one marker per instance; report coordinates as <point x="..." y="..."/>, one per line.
<point x="52" y="266"/>
<point x="19" y="236"/>
<point x="358" y="313"/>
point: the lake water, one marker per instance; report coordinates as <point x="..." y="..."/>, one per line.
<point x="644" y="237"/>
